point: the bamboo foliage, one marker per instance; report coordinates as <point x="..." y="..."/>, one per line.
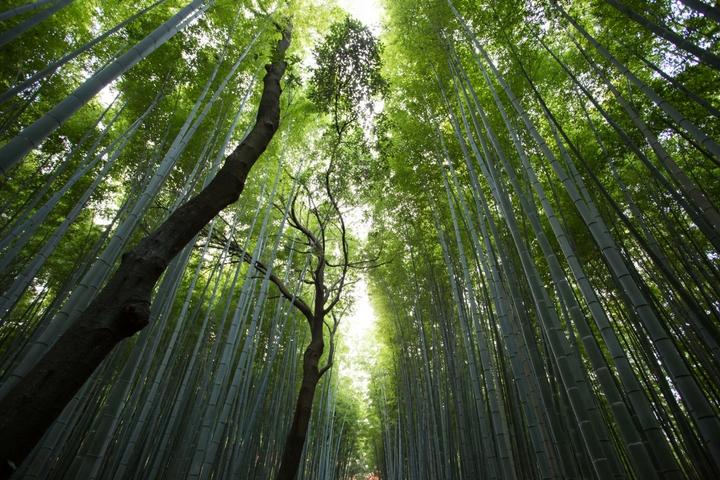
<point x="228" y="347"/>
<point x="31" y="136"/>
<point x="580" y="318"/>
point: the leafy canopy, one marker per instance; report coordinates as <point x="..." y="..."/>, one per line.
<point x="347" y="76"/>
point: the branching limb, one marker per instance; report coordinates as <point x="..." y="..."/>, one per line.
<point x="295" y="222"/>
<point x="237" y="250"/>
<point x="332" y="330"/>
<point x="298" y="302"/>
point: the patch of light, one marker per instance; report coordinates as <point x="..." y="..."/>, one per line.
<point x="105" y="209"/>
<point x="357" y="223"/>
<point x="358" y="330"/>
<point x="107" y="95"/>
<point x="368" y="12"/>
<point x="358" y="334"/>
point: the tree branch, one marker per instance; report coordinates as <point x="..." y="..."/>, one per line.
<point x="296" y="301"/>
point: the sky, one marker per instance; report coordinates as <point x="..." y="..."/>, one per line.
<point x="368" y="12"/>
<point x="357" y="329"/>
<point x="358" y="334"/>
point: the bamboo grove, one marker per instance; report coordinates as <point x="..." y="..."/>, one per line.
<point x="558" y="177"/>
<point x="181" y="183"/>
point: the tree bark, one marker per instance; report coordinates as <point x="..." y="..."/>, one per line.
<point x="122" y="307"/>
<point x="303" y="409"/>
<point x="292" y="454"/>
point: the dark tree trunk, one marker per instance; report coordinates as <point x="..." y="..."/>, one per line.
<point x="311" y="376"/>
<point x="122" y="307"/>
<point x="303" y="409"/>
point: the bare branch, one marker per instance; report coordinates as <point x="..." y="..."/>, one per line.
<point x="298" y="302"/>
<point x="298" y="225"/>
<point x="237" y="250"/>
<point x="331" y="352"/>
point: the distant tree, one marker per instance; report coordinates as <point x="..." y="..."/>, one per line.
<point x="344" y="85"/>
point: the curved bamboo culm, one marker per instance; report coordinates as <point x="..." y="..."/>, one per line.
<point x="97" y="274"/>
<point x="54" y="66"/>
<point x="22" y="229"/>
<point x="262" y="132"/>
<point x="12" y="33"/>
<point x="663" y="31"/>
<point x="510" y="336"/>
<point x="9" y="299"/>
<point x="147" y="398"/>
<point x="708" y="211"/>
<point x="600" y="461"/>
<point x="696" y="98"/>
<point x="30" y="137"/>
<point x="501" y="296"/>
<point x="602" y="321"/>
<point x="699" y="407"/>
<point x="623" y="417"/>
<point x="19" y="10"/>
<point x="701" y="138"/>
<point x="706" y="9"/>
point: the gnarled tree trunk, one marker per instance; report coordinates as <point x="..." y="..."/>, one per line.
<point x="303" y="408"/>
